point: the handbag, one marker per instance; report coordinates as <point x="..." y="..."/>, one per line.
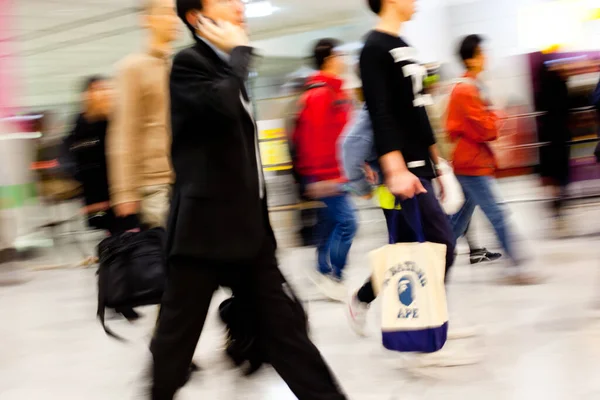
<point x="409" y="277"/>
<point x="132" y="271"/>
<point x="243" y="347"/>
<point x="454" y="197"/>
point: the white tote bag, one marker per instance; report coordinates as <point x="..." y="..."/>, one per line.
<point x="409" y="278"/>
<point x="454" y="196"/>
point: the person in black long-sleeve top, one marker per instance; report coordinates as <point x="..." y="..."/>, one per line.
<point x="404" y="140"/>
<point x="86" y="151"/>
<point x="219" y="233"/>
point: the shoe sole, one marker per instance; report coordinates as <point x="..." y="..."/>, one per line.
<point x="319" y="281"/>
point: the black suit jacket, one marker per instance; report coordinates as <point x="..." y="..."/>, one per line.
<point x="217" y="212"/>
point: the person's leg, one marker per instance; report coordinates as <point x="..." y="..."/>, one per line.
<point x="282" y="330"/>
<point x="325" y="227"/>
<point x="480" y="190"/>
<point x="471" y="238"/>
<point x="477" y="253"/>
<point x="341" y="212"/>
<point x="462" y="219"/>
<point x="187" y="298"/>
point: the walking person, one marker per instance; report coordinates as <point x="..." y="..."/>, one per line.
<point x="437" y="116"/>
<point x="219" y="230"/>
<point x="86" y="147"/>
<point x="553" y="128"/>
<point x="471" y="125"/>
<point x="139" y="137"/>
<point x="403" y="138"/>
<point x="325" y="109"/>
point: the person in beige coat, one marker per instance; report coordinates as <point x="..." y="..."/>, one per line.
<point x="138" y="142"/>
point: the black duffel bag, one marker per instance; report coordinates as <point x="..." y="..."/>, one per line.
<point x="132" y="271"/>
<point x="242" y="347"/>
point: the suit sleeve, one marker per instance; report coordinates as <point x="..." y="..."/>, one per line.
<point x="194" y="85"/>
<point x="124" y="136"/>
<point x="376" y="72"/>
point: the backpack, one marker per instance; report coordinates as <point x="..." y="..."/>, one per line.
<point x="242" y="346"/>
<point x="132" y="271"/>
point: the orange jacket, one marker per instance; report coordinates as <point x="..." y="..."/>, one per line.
<point x="470" y="125"/>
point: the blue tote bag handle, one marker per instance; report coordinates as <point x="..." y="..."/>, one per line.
<point x="412" y="214"/>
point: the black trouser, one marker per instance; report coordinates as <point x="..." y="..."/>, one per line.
<point x="280" y="323"/>
<point x="436" y="227"/>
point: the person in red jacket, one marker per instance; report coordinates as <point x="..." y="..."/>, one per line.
<point x="472" y="125"/>
<point x="325" y="110"/>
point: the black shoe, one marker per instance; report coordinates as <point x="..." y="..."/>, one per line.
<point x="483" y="255"/>
<point x="129" y="313"/>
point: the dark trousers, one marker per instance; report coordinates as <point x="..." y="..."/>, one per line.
<point x="436" y="227"/>
<point x="280" y="324"/>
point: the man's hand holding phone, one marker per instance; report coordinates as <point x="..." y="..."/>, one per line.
<point x="224" y="35"/>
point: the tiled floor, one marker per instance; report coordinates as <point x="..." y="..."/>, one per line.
<point x="537" y="343"/>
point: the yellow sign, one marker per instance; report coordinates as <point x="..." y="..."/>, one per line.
<point x="275" y="155"/>
<point x="275" y="133"/>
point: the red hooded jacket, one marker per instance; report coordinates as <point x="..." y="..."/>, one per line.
<point x="471" y="125"/>
<point x="324" y="113"/>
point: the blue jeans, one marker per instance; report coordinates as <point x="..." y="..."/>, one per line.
<point x="337" y="226"/>
<point x="479" y="191"/>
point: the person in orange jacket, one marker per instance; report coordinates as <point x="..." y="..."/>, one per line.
<point x="472" y="125"/>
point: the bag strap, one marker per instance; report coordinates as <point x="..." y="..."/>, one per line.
<point x="101" y="313"/>
<point x="411" y="211"/>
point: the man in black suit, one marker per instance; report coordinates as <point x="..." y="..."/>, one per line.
<point x="219" y="232"/>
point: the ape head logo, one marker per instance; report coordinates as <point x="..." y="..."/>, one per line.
<point x="406" y="287"/>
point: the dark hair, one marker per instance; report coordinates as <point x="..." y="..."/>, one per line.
<point x="323" y="49"/>
<point x="185" y="6"/>
<point x="375" y="6"/>
<point x="90" y="81"/>
<point x="469" y="46"/>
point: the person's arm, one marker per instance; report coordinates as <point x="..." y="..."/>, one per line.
<point x="123" y="140"/>
<point x="478" y="114"/>
<point x="377" y="74"/>
<point x="195" y="85"/>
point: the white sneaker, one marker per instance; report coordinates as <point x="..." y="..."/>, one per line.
<point x="329" y="286"/>
<point x="335" y="289"/>
<point x="356" y="311"/>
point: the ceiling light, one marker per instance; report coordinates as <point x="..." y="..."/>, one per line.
<point x="259" y="9"/>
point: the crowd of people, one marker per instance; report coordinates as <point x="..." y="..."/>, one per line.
<point x="174" y="144"/>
